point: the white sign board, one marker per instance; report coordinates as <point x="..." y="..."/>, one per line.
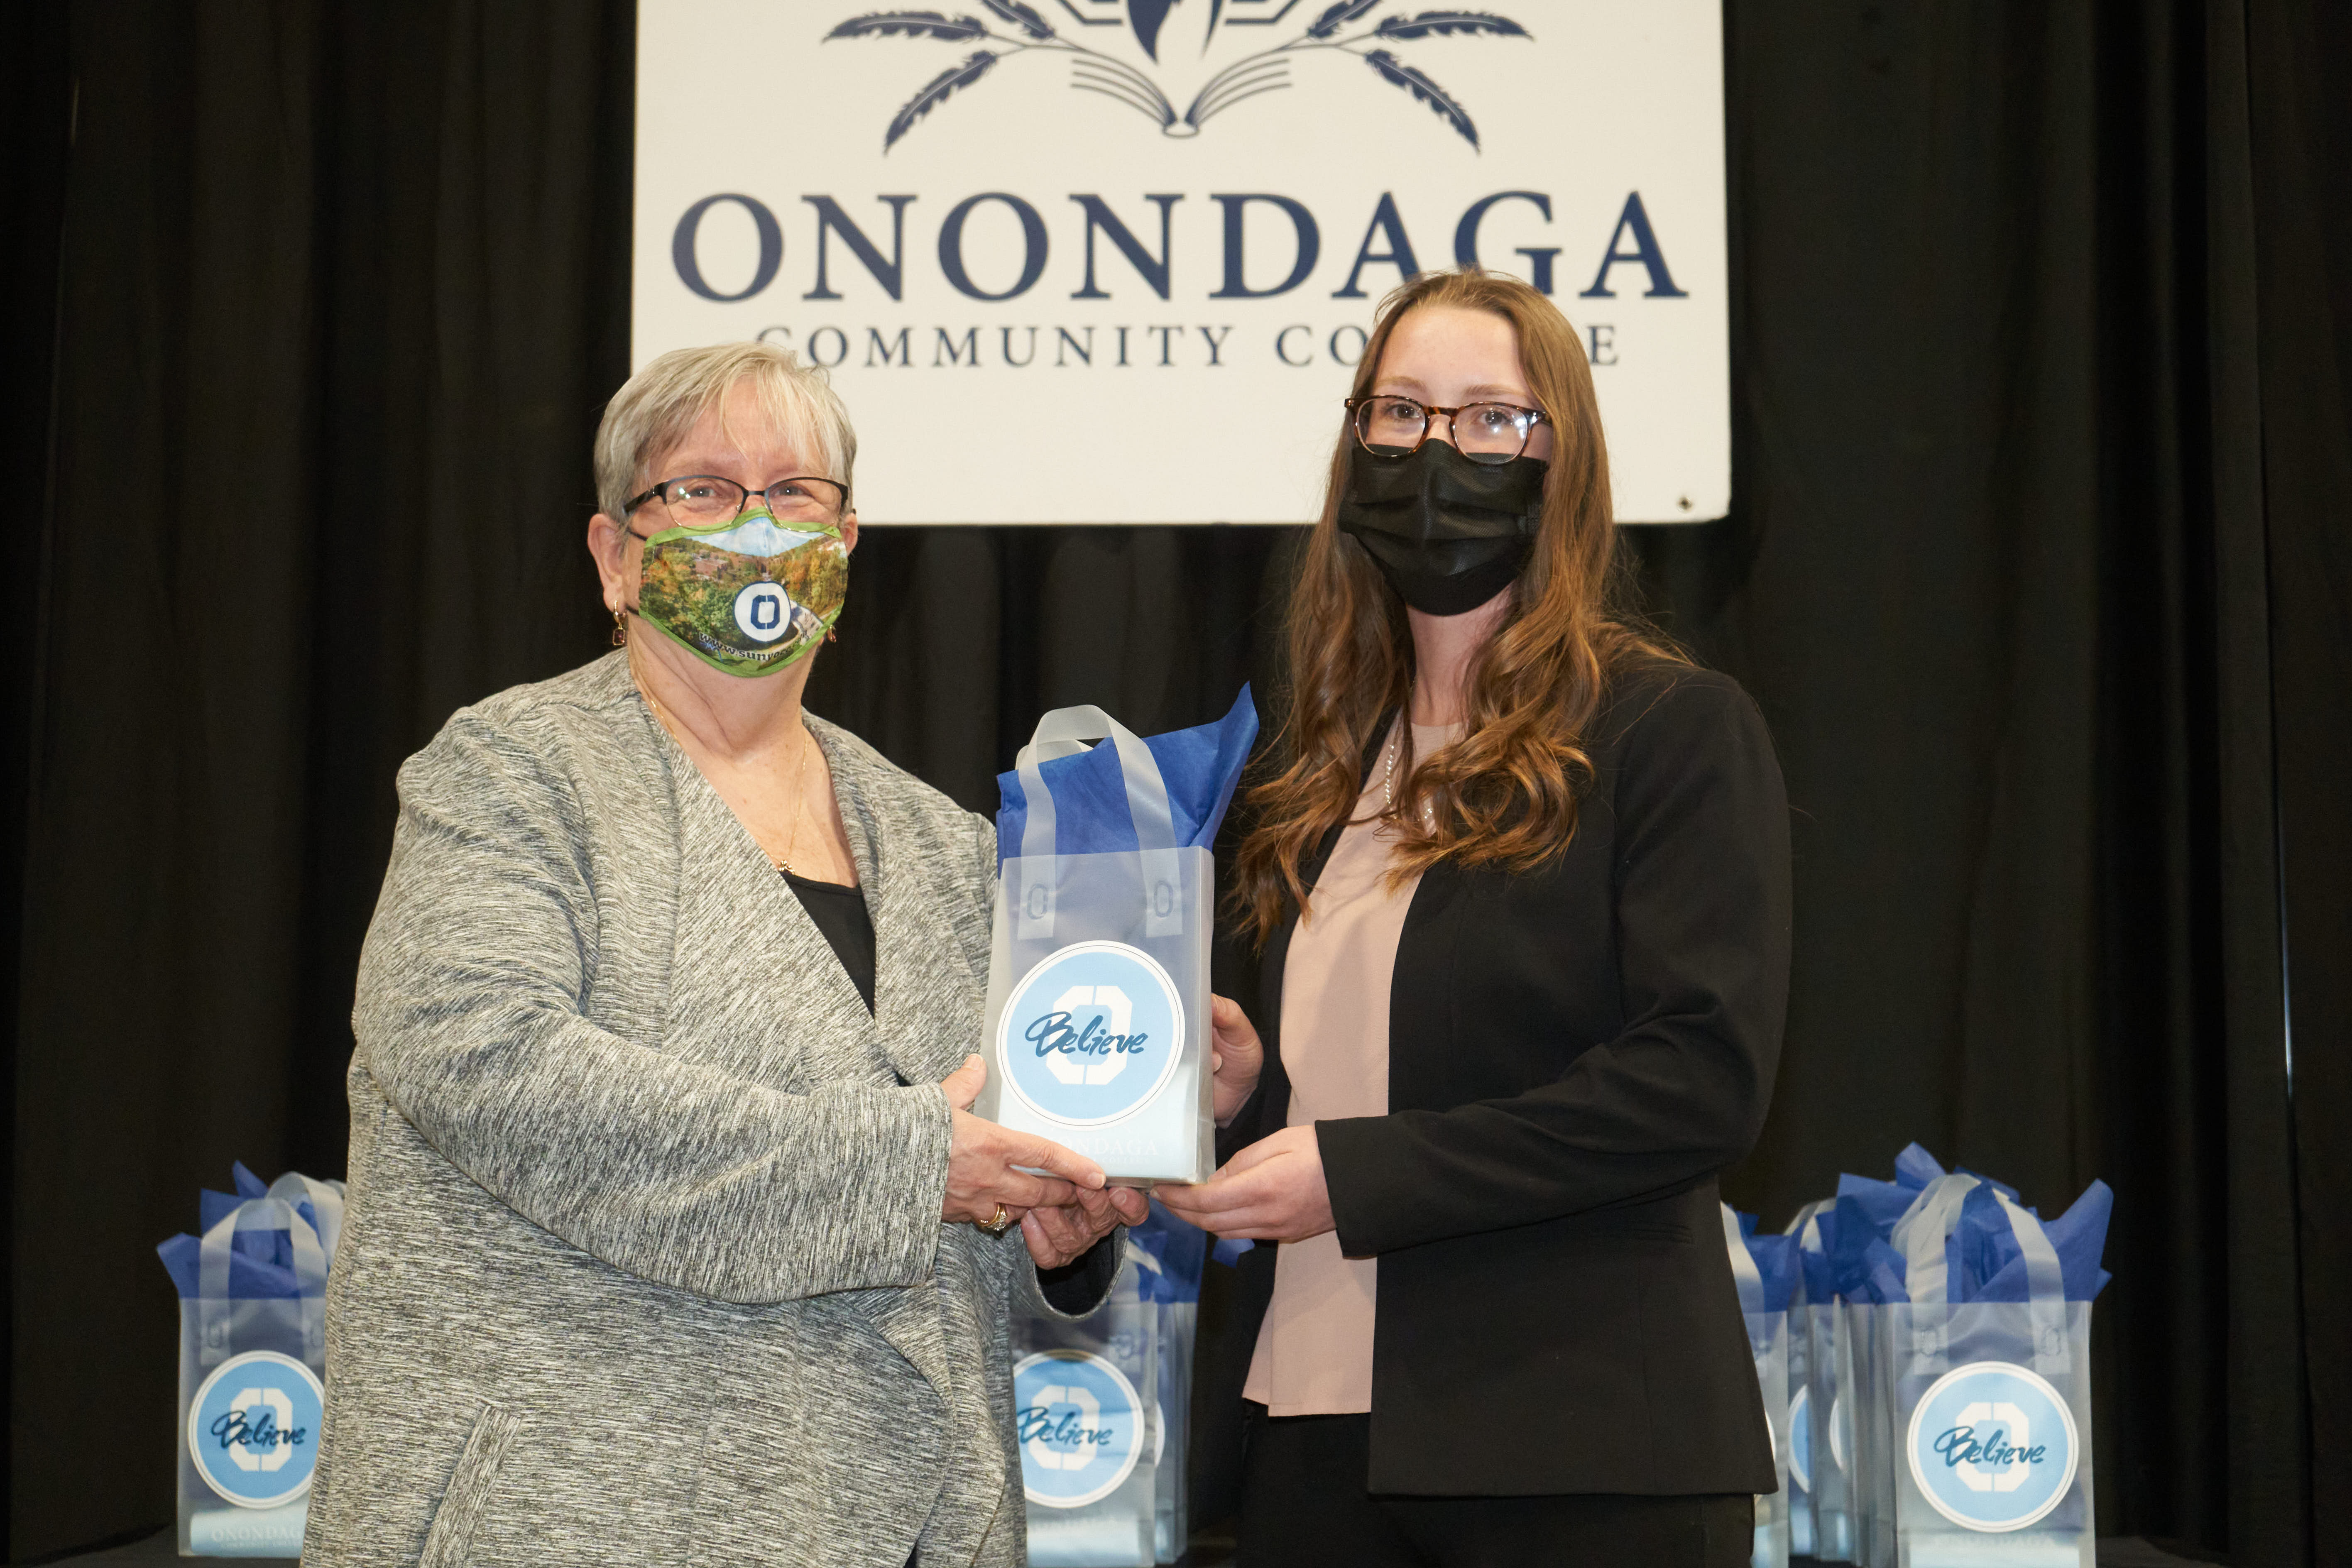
<point x="1111" y="261"/>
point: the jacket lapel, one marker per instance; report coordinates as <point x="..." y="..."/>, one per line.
<point x="743" y="936"/>
<point x="926" y="1018"/>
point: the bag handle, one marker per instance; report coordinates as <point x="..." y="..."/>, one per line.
<point x="326" y="1199"/>
<point x="1744" y="1272"/>
<point x="1060" y="734"/>
<point x="2045" y="1286"/>
<point x="1920" y="1233"/>
<point x="213" y="1300"/>
<point x="1921" y="1236"/>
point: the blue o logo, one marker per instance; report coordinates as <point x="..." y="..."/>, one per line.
<point x="253" y="1429"/>
<point x="1993" y="1447"/>
<point x="1079" y="1425"/>
<point x="1800" y="1439"/>
<point x="1091" y="1033"/>
<point x="763" y="612"/>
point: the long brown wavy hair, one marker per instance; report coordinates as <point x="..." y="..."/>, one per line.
<point x="1506" y="794"/>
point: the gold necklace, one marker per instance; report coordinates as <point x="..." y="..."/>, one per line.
<point x="800" y="803"/>
<point x="783" y="862"/>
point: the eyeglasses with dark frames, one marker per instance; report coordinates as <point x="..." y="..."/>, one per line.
<point x="706" y="500"/>
<point x="1391" y="427"/>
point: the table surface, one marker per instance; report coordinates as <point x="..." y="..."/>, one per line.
<point x="2128" y="1552"/>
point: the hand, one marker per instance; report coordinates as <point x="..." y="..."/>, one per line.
<point x="1237" y="1055"/>
<point x="1271" y="1191"/>
<point x="981" y="1161"/>
<point x="1057" y="1237"/>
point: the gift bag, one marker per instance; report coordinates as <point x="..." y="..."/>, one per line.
<point x="253" y="1355"/>
<point x="1084" y="1419"/>
<point x="1804" y="1234"/>
<point x="1169" y="1257"/>
<point x="1098" y="976"/>
<point x="1760" y="1267"/>
<point x="1868" y="1271"/>
<point x="1987" y="1373"/>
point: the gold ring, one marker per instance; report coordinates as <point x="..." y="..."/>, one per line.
<point x="1003" y="1217"/>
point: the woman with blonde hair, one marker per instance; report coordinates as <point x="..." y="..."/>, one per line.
<point x="1521" y="877"/>
<point x="670" y="1237"/>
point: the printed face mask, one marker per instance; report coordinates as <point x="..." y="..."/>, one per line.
<point x="750" y="598"/>
<point x="1448" y="534"/>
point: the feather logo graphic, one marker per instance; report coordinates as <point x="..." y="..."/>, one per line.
<point x="1016" y="27"/>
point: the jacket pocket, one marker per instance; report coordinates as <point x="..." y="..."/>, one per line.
<point x="450" y="1543"/>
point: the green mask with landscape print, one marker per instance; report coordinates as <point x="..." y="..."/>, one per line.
<point x="749" y="598"/>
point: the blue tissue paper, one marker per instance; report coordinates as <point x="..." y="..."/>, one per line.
<point x="1988" y="1265"/>
<point x="1863" y="1266"/>
<point x="1175" y="1253"/>
<point x="1915" y="1168"/>
<point x="261" y="1260"/>
<point x="1820" y="1285"/>
<point x="1200" y="767"/>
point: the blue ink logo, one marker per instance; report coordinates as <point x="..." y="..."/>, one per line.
<point x="1091" y="1033"/>
<point x="763" y="612"/>
<point x="1079" y="1425"/>
<point x="1993" y="1447"/>
<point x="1014" y="27"/>
<point x="253" y="1429"/>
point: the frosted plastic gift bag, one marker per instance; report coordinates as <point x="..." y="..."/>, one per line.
<point x="1867" y="1271"/>
<point x="1988" y="1373"/>
<point x="1767" y="1342"/>
<point x="252" y="1363"/>
<point x="1805" y="1414"/>
<point x="1082" y="1416"/>
<point x="1169" y="1257"/>
<point x="1099" y="975"/>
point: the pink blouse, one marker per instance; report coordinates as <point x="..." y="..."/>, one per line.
<point x="1314" y="1353"/>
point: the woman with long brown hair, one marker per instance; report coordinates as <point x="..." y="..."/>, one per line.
<point x="1521" y="879"/>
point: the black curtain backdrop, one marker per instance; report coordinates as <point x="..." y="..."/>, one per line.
<point x="2043" y="351"/>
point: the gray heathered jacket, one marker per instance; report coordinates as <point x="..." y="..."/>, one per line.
<point x="643" y="1261"/>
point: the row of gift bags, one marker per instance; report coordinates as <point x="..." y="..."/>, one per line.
<point x="1102" y="1409"/>
<point x="1924" y="1350"/>
<point x="253" y="1355"/>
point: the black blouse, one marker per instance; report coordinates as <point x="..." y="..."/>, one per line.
<point x="840" y="912"/>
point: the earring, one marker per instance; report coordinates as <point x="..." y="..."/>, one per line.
<point x="620" y="628"/>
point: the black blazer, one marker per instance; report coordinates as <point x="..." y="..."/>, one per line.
<point x="1573" y="1054"/>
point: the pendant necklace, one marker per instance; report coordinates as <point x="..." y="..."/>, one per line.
<point x="1388" y="778"/>
<point x="781" y="862"/>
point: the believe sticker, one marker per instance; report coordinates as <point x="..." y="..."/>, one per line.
<point x="1091" y="1033"/>
<point x="253" y="1429"/>
<point x="1079" y="1425"/>
<point x="1993" y="1447"/>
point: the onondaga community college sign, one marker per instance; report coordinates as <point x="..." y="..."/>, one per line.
<point x="1095" y="261"/>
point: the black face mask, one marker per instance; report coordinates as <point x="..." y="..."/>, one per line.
<point x="1448" y="534"/>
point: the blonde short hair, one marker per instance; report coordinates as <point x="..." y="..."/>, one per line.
<point x="655" y="409"/>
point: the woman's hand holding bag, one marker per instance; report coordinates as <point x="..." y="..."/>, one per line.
<point x="1062" y="1236"/>
<point x="1272" y="1191"/>
<point x="1062" y="1215"/>
<point x="1236" y="1057"/>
